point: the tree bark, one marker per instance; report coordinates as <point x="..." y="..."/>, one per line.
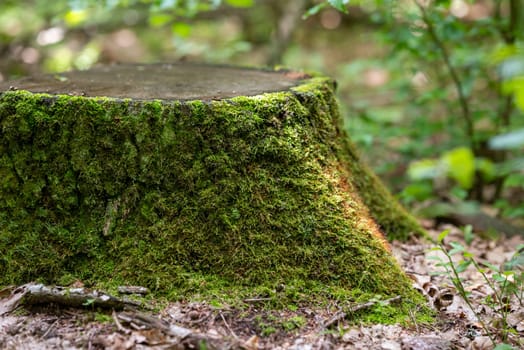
<point x="166" y="175"/>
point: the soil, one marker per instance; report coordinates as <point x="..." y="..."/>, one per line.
<point x="192" y="325"/>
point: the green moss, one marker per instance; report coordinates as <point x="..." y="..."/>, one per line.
<point x="103" y="318"/>
<point x="407" y="313"/>
<point x="294" y="322"/>
<point x="194" y="198"/>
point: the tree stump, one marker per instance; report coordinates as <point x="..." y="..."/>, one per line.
<point x="185" y="177"/>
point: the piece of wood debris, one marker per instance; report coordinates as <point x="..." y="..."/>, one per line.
<point x="37" y="294"/>
<point x="133" y="290"/>
<point x="118" y="324"/>
<point x="256" y="300"/>
<point x="11" y="298"/>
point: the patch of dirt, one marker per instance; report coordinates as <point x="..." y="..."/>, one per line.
<point x="189" y="325"/>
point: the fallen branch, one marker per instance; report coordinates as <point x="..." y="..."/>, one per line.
<point x="133" y="290"/>
<point x="256" y="300"/>
<point x="10" y="300"/>
<point x="37" y="294"/>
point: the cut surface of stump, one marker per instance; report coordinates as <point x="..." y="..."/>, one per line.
<point x="188" y="179"/>
<point x="175" y="81"/>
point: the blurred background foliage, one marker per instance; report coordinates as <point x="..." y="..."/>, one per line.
<point x="432" y="91"/>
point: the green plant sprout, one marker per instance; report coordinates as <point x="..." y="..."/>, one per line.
<point x="506" y="282"/>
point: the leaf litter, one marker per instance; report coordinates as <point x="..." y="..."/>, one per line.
<point x="198" y="325"/>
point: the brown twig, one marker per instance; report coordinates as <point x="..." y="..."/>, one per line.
<point x="49" y="329"/>
<point x="227" y="326"/>
<point x="256" y="300"/>
<point x="340" y="315"/>
<point x="118" y="324"/>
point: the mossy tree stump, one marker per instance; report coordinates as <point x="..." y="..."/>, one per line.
<point x="183" y="177"/>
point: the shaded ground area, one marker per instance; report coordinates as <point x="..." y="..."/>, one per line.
<point x="186" y="325"/>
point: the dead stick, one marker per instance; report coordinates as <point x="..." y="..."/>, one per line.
<point x="337" y="317"/>
<point x="118" y="324"/>
<point x="227" y="326"/>
<point x="49" y="329"/>
<point x="254" y="300"/>
<point x="72" y="297"/>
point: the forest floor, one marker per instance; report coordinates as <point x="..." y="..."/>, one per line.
<point x="202" y="326"/>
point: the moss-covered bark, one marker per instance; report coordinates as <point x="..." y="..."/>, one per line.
<point x="252" y="190"/>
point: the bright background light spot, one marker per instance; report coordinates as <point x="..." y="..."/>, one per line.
<point x="50" y="36"/>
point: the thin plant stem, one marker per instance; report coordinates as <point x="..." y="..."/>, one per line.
<point x="464" y="104"/>
<point x="499" y="295"/>
<point x="457" y="282"/>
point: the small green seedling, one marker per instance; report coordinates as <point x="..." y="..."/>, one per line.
<point x="506" y="283"/>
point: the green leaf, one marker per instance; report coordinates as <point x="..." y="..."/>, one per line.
<point x="157" y="20"/>
<point x="503" y="53"/>
<point x="442" y="235"/>
<point x="491" y="266"/>
<point x="468" y="234"/>
<point x="486" y="167"/>
<point x="455" y="248"/>
<point x="463" y="265"/>
<point x="504" y="346"/>
<point x="181" y="29"/>
<point x="75" y="18"/>
<point x="88" y="302"/>
<point x="443" y="2"/>
<point x="240" y="3"/>
<point x="460" y="164"/>
<point x="516" y="263"/>
<point x="515" y="86"/>
<point x="443" y="264"/>
<point x="417" y="191"/>
<point x="339" y="5"/>
<point x="314" y="10"/>
<point x="499" y="278"/>
<point x="515" y="180"/>
<point x="519" y="93"/>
